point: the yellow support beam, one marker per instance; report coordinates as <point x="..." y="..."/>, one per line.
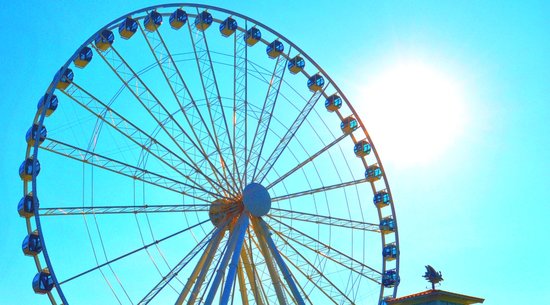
<point x="250" y="274"/>
<point x="242" y="283"/>
<point x="204" y="262"/>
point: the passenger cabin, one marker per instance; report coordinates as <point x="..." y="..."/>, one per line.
<point x="178" y="19"/>
<point x="362" y="148"/>
<point x="25" y="208"/>
<point x="128" y="28"/>
<point x="43" y="282"/>
<point x="152" y="21"/>
<point x="296" y="64"/>
<point x="390" y="278"/>
<point x="349" y="124"/>
<point x="315" y="82"/>
<point x="26" y="169"/>
<point x="49" y="101"/>
<point x="333" y="103"/>
<point x="387" y="225"/>
<point x="252" y="36"/>
<point x="203" y="21"/>
<point x="33" y="132"/>
<point x="275" y="49"/>
<point x="84" y="57"/>
<point x="65" y="80"/>
<point x="104" y="40"/>
<point x="373" y="173"/>
<point x="228" y="27"/>
<point x="32" y="245"/>
<point x="390" y="252"/>
<point x="381" y="199"/>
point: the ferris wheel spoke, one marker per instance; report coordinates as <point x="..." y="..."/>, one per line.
<point x="288" y="136"/>
<point x="212" y="96"/>
<point x="133" y="252"/>
<point x="240" y="105"/>
<point x="135" y="134"/>
<point x="126" y="209"/>
<point x="151" y="104"/>
<point x="316" y="276"/>
<point x="329" y="252"/>
<point x="311" y="158"/>
<point x="178" y="87"/>
<point x="123" y="169"/>
<point x="320" y="189"/>
<point x="266" y="114"/>
<point x="174" y="271"/>
<point x="323" y="219"/>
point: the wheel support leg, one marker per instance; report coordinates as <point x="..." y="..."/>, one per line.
<point x="269" y="261"/>
<point x="235" y="242"/>
<point x="282" y="266"/>
<point x="200" y="269"/>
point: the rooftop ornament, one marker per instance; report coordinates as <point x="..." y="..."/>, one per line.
<point x="432" y="276"/>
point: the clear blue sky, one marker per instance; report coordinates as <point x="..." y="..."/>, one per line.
<point x="476" y="210"/>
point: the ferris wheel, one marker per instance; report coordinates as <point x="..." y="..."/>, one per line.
<point x="190" y="154"/>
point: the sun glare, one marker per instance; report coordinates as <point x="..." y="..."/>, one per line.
<point x="414" y="113"/>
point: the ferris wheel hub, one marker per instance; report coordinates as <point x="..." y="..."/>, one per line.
<point x="256" y="199"/>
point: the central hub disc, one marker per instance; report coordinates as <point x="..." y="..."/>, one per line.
<point x="256" y="199"/>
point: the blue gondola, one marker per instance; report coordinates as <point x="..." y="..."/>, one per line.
<point x="275" y="49"/>
<point x="228" y="27"/>
<point x="33" y="132"/>
<point x="203" y="21"/>
<point x="178" y="18"/>
<point x="25" y="208"/>
<point x="104" y="40"/>
<point x="66" y="78"/>
<point x="128" y="28"/>
<point x="390" y="278"/>
<point x="381" y="199"/>
<point x="252" y="36"/>
<point x="333" y="103"/>
<point x="387" y="225"/>
<point x="43" y="282"/>
<point x="152" y="21"/>
<point x="84" y="57"/>
<point x="373" y="173"/>
<point x="362" y="148"/>
<point x="390" y="252"/>
<point x="349" y="124"/>
<point x="50" y="101"/>
<point x="26" y="169"/>
<point x="296" y="64"/>
<point x="32" y="245"/>
<point x="315" y="82"/>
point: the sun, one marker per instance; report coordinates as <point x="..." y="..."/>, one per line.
<point x="414" y="112"/>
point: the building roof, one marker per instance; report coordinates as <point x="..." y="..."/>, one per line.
<point x="432" y="295"/>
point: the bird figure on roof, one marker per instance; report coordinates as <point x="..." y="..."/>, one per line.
<point x="432" y="276"/>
